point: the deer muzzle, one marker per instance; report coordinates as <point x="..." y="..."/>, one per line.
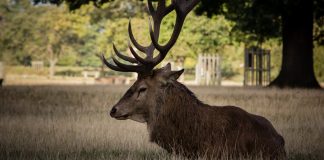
<point x="114" y="114"/>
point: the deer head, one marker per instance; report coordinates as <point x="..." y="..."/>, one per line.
<point x="140" y="99"/>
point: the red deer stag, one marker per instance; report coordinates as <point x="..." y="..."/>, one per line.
<point x="176" y="119"/>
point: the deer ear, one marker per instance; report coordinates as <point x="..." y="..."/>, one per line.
<point x="167" y="68"/>
<point x="174" y="75"/>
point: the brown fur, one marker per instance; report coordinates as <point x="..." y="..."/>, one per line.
<point x="180" y="123"/>
<point x="187" y="126"/>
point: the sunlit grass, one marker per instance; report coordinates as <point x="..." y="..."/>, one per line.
<point x="72" y="122"/>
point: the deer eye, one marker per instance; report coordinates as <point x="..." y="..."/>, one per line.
<point x="142" y="90"/>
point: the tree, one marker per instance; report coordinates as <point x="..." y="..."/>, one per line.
<point x="62" y="29"/>
<point x="292" y="20"/>
<point x="74" y="4"/>
<point x="15" y="24"/>
<point x="44" y="32"/>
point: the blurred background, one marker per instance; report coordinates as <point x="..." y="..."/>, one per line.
<point x="43" y="43"/>
<point x="57" y="94"/>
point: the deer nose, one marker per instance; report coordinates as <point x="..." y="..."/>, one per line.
<point x="113" y="111"/>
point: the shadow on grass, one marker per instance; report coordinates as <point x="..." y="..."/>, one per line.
<point x="111" y="155"/>
<point x="301" y="156"/>
<point x="83" y="155"/>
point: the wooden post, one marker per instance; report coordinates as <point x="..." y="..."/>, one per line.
<point x="269" y="67"/>
<point x="2" y="74"/>
<point x="214" y="69"/>
<point x="260" y="67"/>
<point x="198" y="70"/>
<point x="205" y="69"/>
<point x="218" y="70"/>
<point x="257" y="67"/>
<point x="252" y="68"/>
<point x="245" y="69"/>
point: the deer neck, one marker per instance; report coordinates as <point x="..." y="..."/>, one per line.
<point x="173" y="108"/>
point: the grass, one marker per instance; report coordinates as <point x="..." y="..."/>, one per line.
<point x="72" y="122"/>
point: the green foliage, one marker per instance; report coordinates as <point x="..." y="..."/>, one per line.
<point x="206" y="35"/>
<point x="73" y="4"/>
<point x="42" y="32"/>
<point x="69" y="72"/>
<point x="22" y="70"/>
<point x="68" y="60"/>
<point x="14" y="24"/>
<point x="319" y="31"/>
<point x="227" y="70"/>
<point x="76" y="38"/>
<point x="318" y="63"/>
<point x="260" y="19"/>
<point x="91" y="61"/>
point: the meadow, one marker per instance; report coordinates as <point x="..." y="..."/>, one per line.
<point x="72" y="122"/>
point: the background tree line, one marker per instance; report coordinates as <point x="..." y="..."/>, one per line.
<point x="61" y="36"/>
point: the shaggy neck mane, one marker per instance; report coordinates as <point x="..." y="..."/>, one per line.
<point x="176" y="113"/>
<point x="175" y="100"/>
<point x="179" y="95"/>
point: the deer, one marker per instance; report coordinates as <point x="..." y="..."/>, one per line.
<point x="176" y="119"/>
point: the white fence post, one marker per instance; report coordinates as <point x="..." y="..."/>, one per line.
<point x="208" y="70"/>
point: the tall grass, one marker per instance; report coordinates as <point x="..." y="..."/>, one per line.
<point x="72" y="122"/>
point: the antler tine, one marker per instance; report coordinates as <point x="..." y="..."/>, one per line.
<point x="130" y="68"/>
<point x="157" y="16"/>
<point x="137" y="57"/>
<point x="132" y="38"/>
<point x="168" y="9"/>
<point x="150" y="7"/>
<point x="175" y="34"/>
<point x="111" y="66"/>
<point x="145" y="65"/>
<point x="182" y="8"/>
<point x="191" y="5"/>
<point x="126" y="58"/>
<point x="161" y="6"/>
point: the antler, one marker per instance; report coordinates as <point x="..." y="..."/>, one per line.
<point x="146" y="65"/>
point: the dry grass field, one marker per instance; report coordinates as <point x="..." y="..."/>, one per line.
<point x="72" y="122"/>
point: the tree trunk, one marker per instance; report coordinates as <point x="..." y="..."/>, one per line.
<point x="52" y="61"/>
<point x="297" y="35"/>
<point x="52" y="68"/>
<point x="102" y="68"/>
